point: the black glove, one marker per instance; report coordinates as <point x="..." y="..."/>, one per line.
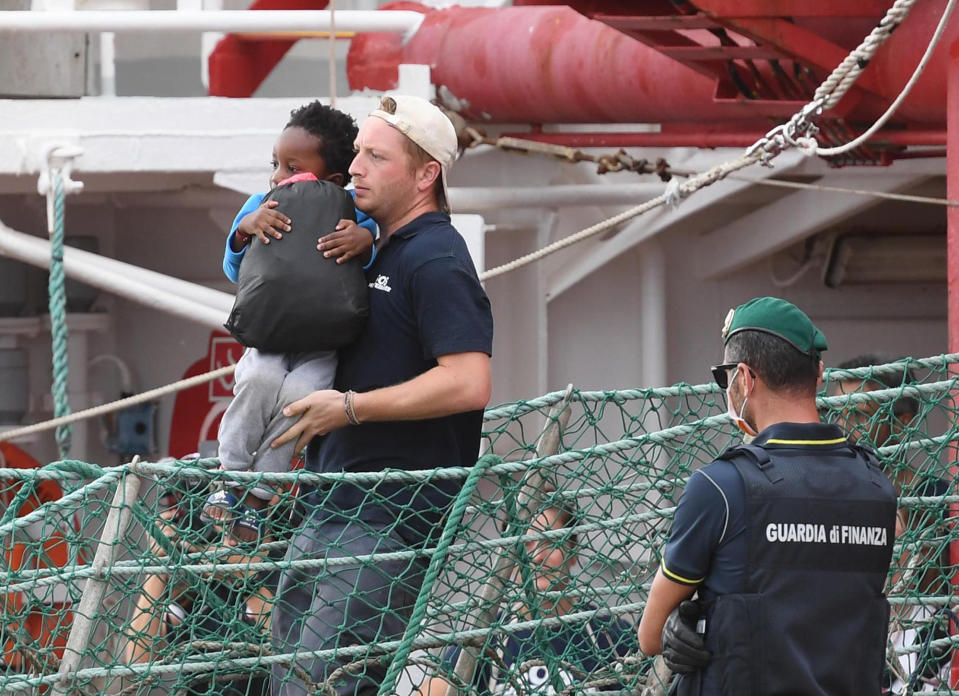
<point x="683" y="649"/>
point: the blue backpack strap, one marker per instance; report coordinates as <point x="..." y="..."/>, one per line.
<point x="758" y="456"/>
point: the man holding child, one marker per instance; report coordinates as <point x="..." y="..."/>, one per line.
<point x="408" y="395"/>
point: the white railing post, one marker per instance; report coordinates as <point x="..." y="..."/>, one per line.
<point x="230" y="21"/>
<point x="128" y="489"/>
<point x="108" y="65"/>
<point x="208" y="42"/>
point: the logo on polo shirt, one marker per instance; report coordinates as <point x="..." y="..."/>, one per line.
<point x="538" y="683"/>
<point x="382" y="282"/>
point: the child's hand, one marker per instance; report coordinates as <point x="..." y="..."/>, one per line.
<point x="346" y="241"/>
<point x="264" y="223"/>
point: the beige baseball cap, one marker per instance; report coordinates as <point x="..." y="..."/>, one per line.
<point x="428" y="127"/>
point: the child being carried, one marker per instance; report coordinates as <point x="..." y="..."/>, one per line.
<point x="293" y="309"/>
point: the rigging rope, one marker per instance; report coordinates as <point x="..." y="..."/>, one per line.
<point x="882" y="195"/>
<point x="675" y="191"/>
<point x="58" y="314"/>
<point x="798" y="132"/>
<point x="118" y="405"/>
<point x="920" y="68"/>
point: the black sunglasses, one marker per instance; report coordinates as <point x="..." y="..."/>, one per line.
<point x="721" y="374"/>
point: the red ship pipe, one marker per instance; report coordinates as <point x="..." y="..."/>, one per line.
<point x="547" y="64"/>
<point x="952" y="278"/>
<point x="540" y="65"/>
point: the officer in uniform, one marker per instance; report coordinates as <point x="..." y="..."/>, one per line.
<point x="787" y="539"/>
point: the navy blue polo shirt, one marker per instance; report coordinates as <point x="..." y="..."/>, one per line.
<point x="580" y="652"/>
<point x="707" y="542"/>
<point x="425" y="301"/>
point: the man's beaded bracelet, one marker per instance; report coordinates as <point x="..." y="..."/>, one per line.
<point x="348" y="407"/>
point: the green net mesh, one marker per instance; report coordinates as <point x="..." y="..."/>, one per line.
<point x="531" y="581"/>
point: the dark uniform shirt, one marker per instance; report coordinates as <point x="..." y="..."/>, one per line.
<point x="707" y="544"/>
<point x="803" y="540"/>
<point x="579" y="652"/>
<point x="425" y="302"/>
<point x="207" y="621"/>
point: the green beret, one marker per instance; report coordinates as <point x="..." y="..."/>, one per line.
<point x="779" y="318"/>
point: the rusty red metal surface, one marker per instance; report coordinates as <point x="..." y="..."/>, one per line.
<point x="546" y="64"/>
<point x="373" y="58"/>
<point x="952" y="277"/>
<point x="952" y="213"/>
<point x="550" y="64"/>
<point x="725" y="69"/>
<point x="703" y="137"/>
<point x="819" y="33"/>
<point x="739" y="8"/>
<point x="543" y="65"/>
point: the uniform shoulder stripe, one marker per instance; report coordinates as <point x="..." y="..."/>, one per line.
<point x="777" y="441"/>
<point x="678" y="578"/>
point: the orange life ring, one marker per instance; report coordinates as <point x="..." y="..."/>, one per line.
<point x="44" y="623"/>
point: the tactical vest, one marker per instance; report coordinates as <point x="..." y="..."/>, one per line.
<point x="812" y="619"/>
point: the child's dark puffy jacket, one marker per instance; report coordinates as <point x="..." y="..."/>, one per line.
<point x="290" y="299"/>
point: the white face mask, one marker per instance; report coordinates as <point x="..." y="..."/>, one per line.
<point x="748" y="431"/>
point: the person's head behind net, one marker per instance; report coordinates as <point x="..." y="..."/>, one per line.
<point x="551" y="559"/>
<point x="331" y="135"/>
<point x="180" y="509"/>
<point x="880" y="422"/>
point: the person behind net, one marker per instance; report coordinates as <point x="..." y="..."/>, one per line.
<point x="409" y="396"/>
<point x="559" y="656"/>
<point x="787" y="539"/>
<point x="177" y="612"/>
<point x="317" y="141"/>
<point x="881" y="423"/>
